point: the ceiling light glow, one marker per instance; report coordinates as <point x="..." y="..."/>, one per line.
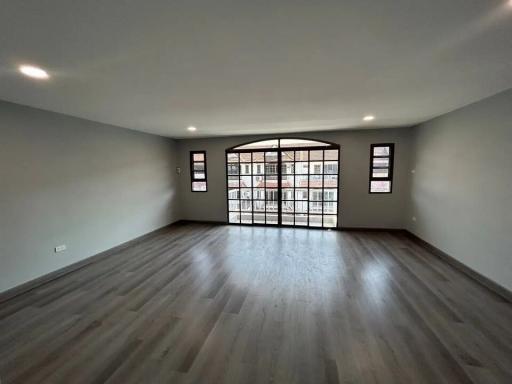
<point x="33" y="72"/>
<point x="192" y="129"/>
<point x="369" y="118"/>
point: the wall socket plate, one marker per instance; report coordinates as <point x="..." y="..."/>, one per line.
<point x="60" y="248"/>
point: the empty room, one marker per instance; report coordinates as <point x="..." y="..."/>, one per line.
<point x="239" y="192"/>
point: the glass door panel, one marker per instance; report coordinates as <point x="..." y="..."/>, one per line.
<point x="309" y="185"/>
<point x="291" y="187"/>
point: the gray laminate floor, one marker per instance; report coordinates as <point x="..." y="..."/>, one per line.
<point x="224" y="304"/>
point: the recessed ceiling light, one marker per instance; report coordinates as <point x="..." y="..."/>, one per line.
<point x="34" y="72"/>
<point x="192" y="129"/>
<point x="369" y="118"/>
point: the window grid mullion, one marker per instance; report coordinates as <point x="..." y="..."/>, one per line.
<point x="309" y="186"/>
<point x="323" y="180"/>
<point x="294" y="186"/>
<point x="240" y="187"/>
<point x="252" y="188"/>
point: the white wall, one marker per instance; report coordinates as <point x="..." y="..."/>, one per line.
<point x="357" y="207"/>
<point x="461" y="192"/>
<point x="69" y="181"/>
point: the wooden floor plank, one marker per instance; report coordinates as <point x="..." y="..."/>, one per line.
<point x="226" y="304"/>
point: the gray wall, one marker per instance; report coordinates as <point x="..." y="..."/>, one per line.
<point x="461" y="191"/>
<point x="93" y="186"/>
<point x="75" y="182"/>
<point x="357" y="207"/>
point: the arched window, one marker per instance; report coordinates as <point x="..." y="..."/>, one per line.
<point x="283" y="181"/>
<point x="282" y="143"/>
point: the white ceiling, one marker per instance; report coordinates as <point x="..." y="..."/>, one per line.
<point x="255" y="66"/>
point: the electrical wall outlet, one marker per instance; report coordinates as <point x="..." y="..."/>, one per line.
<point x="60" y="248"/>
<point x="414" y="218"/>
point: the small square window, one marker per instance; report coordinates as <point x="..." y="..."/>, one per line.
<point x="199" y="186"/>
<point x="381" y="150"/>
<point x="198" y="156"/>
<point x="380" y="186"/>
